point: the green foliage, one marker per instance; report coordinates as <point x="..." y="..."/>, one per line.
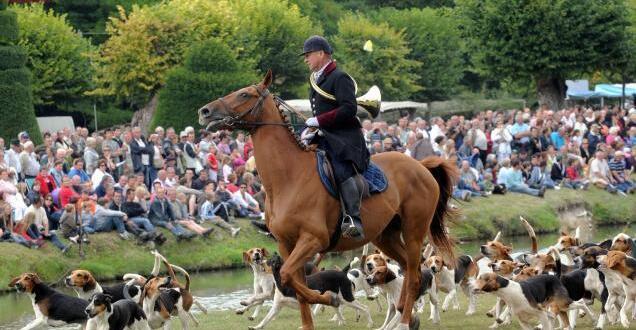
<point x="387" y="66"/>
<point x="211" y="70"/>
<point x="543" y="39"/>
<point x="3" y="4"/>
<point x="16" y="111"/>
<point x="19" y="76"/>
<point x="108" y="116"/>
<point x="8" y="27"/>
<point x="58" y="57"/>
<point x="12" y="57"/>
<point x="148" y="41"/>
<point x="16" y="103"/>
<point x="435" y="41"/>
<point x="325" y="13"/>
<point x="272" y="34"/>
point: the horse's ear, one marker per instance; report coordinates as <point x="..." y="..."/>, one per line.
<point x="267" y="80"/>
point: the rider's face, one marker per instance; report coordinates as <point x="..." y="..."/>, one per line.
<point x="315" y="60"/>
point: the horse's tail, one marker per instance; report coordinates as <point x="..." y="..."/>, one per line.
<point x="446" y="174"/>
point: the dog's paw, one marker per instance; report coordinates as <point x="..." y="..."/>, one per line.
<point x="244" y="303"/>
<point x="250" y="318"/>
<point x="490" y="314"/>
<point x="240" y="311"/>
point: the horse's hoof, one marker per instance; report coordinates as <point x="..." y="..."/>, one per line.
<point x="335" y="301"/>
<point x="415" y="323"/>
<point x="250" y="318"/>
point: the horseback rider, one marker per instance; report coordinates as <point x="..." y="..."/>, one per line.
<point x="340" y="133"/>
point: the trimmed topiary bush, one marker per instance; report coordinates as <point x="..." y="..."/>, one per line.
<point x="210" y="70"/>
<point x="16" y="100"/>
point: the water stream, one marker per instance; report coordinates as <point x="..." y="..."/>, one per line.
<point x="223" y="290"/>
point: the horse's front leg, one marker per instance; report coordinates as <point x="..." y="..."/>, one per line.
<point x="292" y="274"/>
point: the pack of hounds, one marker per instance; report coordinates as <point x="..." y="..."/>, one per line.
<point x="541" y="289"/>
<point x="138" y="303"/>
<point x="544" y="289"/>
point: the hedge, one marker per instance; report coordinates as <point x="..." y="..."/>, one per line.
<point x="8" y="27"/>
<point x="20" y="76"/>
<point x="16" y="111"/>
<point x="12" y="57"/>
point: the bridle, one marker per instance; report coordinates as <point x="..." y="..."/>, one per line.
<point x="236" y="121"/>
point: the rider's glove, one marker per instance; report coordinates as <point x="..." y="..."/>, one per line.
<point x="312" y="122"/>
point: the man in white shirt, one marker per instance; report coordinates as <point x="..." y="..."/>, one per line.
<point x="12" y="156"/>
<point x="248" y="206"/>
<point x="29" y="162"/>
<point x="600" y="172"/>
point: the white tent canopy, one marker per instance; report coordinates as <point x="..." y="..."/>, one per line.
<point x="385" y="106"/>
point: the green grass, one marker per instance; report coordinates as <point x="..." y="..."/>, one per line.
<point x="108" y="256"/>
<point x="483" y="217"/>
<point x="290" y="319"/>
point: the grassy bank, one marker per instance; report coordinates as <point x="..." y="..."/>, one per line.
<point x="109" y="257"/>
<point x="483" y="217"/>
<point x="290" y="319"/>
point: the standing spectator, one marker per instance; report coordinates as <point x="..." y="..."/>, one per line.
<point x="422" y="147"/>
<point x="594" y="138"/>
<point x="11" y="195"/>
<point x="78" y="169"/>
<point x="90" y="155"/>
<point x="501" y="139"/>
<point x="29" y="162"/>
<point x="12" y="156"/>
<point x="141" y="155"/>
<point x="190" y="152"/>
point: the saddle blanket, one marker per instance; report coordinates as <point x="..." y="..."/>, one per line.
<point x="374" y="175"/>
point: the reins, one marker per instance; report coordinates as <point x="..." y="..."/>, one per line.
<point x="256" y="110"/>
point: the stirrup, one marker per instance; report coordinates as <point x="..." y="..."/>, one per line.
<point x="349" y="229"/>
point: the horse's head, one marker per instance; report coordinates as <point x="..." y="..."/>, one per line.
<point x="237" y="109"/>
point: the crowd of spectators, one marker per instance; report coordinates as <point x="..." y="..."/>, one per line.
<point x="522" y="151"/>
<point x="77" y="183"/>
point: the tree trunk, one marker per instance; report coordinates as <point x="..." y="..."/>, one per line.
<point x="551" y="92"/>
<point x="143" y="116"/>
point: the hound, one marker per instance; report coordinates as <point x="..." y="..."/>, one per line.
<point x="51" y="307"/>
<point x="624" y="267"/>
<point x="448" y="280"/>
<point x="264" y="285"/>
<point x="122" y="314"/>
<point x="86" y="286"/>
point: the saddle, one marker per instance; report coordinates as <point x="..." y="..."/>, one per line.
<point x="372" y="181"/>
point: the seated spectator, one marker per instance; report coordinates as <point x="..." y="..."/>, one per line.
<point x="515" y="183"/>
<point x="620" y="175"/>
<point x="142" y="196"/>
<point x="34" y="193"/>
<point x="11" y="195"/>
<point x="99" y="173"/>
<point x="224" y="199"/>
<point x="180" y="208"/>
<point x="600" y="174"/>
<point x="7" y="228"/>
<point x="162" y="215"/>
<point x="57" y="172"/>
<point x="232" y="183"/>
<point x="107" y="220"/>
<point x="137" y="215"/>
<point x="209" y="211"/>
<point x="468" y="180"/>
<point x="201" y="181"/>
<point x="53" y="213"/>
<point x="37" y="229"/>
<point x="69" y="225"/>
<point x="247" y="205"/>
<point x="573" y="178"/>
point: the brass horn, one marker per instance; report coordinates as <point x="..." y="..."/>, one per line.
<point x="370" y="102"/>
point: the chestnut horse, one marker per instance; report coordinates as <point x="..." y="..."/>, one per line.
<point x="302" y="215"/>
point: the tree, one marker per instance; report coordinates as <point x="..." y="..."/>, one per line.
<point x="16" y="104"/>
<point x="210" y="70"/>
<point x="58" y="56"/>
<point x="546" y="41"/>
<point x="387" y="66"/>
<point x="434" y="40"/>
<point x="148" y="41"/>
<point x="272" y="33"/>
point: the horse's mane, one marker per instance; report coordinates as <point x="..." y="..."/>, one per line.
<point x="281" y="105"/>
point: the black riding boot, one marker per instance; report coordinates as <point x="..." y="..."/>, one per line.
<point x="351" y="198"/>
